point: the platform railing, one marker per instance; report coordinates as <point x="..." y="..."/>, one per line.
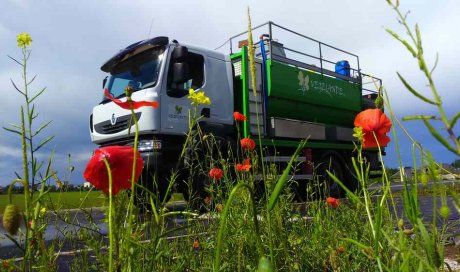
<point x="356" y="76"/>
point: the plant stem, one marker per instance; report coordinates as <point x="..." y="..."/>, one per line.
<point x="223" y="223"/>
<point x="111" y="244"/>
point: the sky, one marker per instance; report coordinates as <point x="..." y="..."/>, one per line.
<point x="72" y="39"/>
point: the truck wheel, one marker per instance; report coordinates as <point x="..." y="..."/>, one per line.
<point x="155" y="183"/>
<point x="195" y="193"/>
<point x="329" y="187"/>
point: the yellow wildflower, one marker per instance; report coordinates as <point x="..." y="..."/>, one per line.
<point x="24" y="40"/>
<point x="42" y="211"/>
<point x="198" y="98"/>
<point x="358" y="133"/>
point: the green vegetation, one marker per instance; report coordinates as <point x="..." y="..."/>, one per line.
<point x="60" y="200"/>
<point x="251" y="221"/>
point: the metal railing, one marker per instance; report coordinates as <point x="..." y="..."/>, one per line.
<point x="299" y="56"/>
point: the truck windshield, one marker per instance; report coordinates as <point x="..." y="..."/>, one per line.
<point x="140" y="71"/>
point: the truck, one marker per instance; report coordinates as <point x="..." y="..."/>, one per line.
<point x="304" y="89"/>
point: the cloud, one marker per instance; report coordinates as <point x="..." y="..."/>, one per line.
<point x="71" y="40"/>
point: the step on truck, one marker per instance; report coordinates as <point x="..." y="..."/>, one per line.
<point x="305" y="89"/>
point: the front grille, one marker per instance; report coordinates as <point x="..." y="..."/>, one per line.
<point x="122" y="123"/>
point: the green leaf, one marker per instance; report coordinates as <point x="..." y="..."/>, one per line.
<point x="419" y="40"/>
<point x="435" y="63"/>
<point x="13" y="131"/>
<point x="438" y="137"/>
<point x="454" y="120"/>
<point x="16" y="87"/>
<point x="12" y="239"/>
<point x="284" y="177"/>
<point x="414" y="92"/>
<point x="419" y="117"/>
<point x="43" y="143"/>
<point x="37" y="95"/>
<point x="37" y="168"/>
<point x="355" y="166"/>
<point x="42" y="127"/>
<point x="350" y="194"/>
<point x="404" y="42"/>
<point x="31" y="114"/>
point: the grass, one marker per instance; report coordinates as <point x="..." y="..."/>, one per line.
<point x="361" y="232"/>
<point x="69" y="200"/>
<point x="60" y="200"/>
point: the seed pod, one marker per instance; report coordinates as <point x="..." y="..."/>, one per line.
<point x="408" y="232"/>
<point x="401" y="224"/>
<point x="444" y="212"/>
<point x="11" y="219"/>
<point x="379" y="102"/>
<point x="265" y="265"/>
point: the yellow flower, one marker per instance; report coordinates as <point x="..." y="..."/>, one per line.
<point x="42" y="211"/>
<point x="198" y="98"/>
<point x="358" y="133"/>
<point x="24" y="40"/>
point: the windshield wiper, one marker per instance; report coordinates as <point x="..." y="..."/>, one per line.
<point x="145" y="86"/>
<point x="120" y="96"/>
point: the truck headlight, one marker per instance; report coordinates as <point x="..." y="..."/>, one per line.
<point x="148" y="145"/>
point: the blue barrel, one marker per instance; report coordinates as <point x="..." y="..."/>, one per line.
<point x="343" y="68"/>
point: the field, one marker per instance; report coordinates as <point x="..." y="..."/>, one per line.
<point x="60" y="200"/>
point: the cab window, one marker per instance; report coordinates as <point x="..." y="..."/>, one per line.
<point x="195" y="78"/>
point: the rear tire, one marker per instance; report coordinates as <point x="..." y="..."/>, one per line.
<point x="329" y="186"/>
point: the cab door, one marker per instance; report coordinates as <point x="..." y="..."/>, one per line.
<point x="185" y="70"/>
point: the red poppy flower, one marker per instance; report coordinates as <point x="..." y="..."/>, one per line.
<point x="129" y="104"/>
<point x="332" y="202"/>
<point x="216" y="173"/>
<point x="208" y="200"/>
<point x="373" y="121"/>
<point x="196" y="245"/>
<point x="248" y="144"/>
<point x="239" y="117"/>
<point x="120" y="159"/>
<point x="245" y="166"/>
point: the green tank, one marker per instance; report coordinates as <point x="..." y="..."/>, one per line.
<point x="306" y="95"/>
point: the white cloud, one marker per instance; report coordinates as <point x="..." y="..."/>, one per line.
<point x="72" y="39"/>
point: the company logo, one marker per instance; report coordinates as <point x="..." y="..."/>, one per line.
<point x="113" y="120"/>
<point x="319" y="86"/>
<point x="178" y="109"/>
<point x="303" y="82"/>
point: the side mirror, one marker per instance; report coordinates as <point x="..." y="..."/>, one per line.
<point x="180" y="72"/>
<point x="180" y="53"/>
<point x="104" y="81"/>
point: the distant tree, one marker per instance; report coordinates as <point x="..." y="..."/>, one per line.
<point x="456" y="164"/>
<point x="391" y="171"/>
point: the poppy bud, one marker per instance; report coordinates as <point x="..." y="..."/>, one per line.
<point x="401" y="224"/>
<point x="408" y="232"/>
<point x="379" y="102"/>
<point x="444" y="212"/>
<point x="11" y="219"/>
